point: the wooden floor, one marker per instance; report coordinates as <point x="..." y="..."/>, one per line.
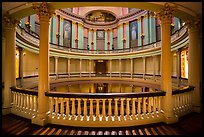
<point x="187" y="125"/>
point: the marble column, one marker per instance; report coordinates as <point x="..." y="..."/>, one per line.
<point x="120" y="67"/>
<point x="131" y="65"/>
<point x="9" y="43"/>
<point x="194" y="61"/>
<point x="110" y="68"/>
<point x="144" y="67"/>
<point x="165" y="15"/>
<point x="178" y="67"/>
<point x="21" y="65"/>
<point x="80" y="67"/>
<point x="89" y="67"/>
<point x="44" y="14"/>
<point x="68" y="67"/>
<point x="56" y="66"/>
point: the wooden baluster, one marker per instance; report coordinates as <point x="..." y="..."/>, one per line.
<point x="67" y="108"/>
<point x="176" y="103"/>
<point x="27" y="103"/>
<point x="128" y="109"/>
<point x="91" y="110"/>
<point x="21" y="105"/>
<point x="159" y="105"/>
<point x="109" y="110"/>
<point x="144" y="107"/>
<point x="116" y="109"/>
<point x="61" y="108"/>
<point x="133" y="108"/>
<point x="188" y="100"/>
<point x="97" y="110"/>
<point x="51" y="106"/>
<point x="56" y="107"/>
<point x="149" y="106"/>
<point x="139" y="107"/>
<point x="104" y="110"/>
<point x="31" y="104"/>
<point x="85" y="109"/>
<point x="19" y="101"/>
<point x="73" y="108"/>
<point x="14" y="100"/>
<point x="184" y="101"/>
<point x="122" y="109"/>
<point x="35" y="105"/>
<point x="154" y="105"/>
<point x="79" y="109"/>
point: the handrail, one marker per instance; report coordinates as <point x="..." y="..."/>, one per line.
<point x="25" y="91"/>
<point x="105" y="95"/>
<point x="183" y="90"/>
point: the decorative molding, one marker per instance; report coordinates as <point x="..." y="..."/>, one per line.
<point x="10" y="22"/>
<point x="193" y="25"/>
<point x="166" y="13"/>
<point x="43" y="11"/>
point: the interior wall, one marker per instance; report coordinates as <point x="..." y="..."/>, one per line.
<point x="30" y="63"/>
<point x="138" y="66"/>
<point x="149" y="65"/>
<point x="52" y="65"/>
<point x="74" y="66"/>
<point x="62" y="65"/>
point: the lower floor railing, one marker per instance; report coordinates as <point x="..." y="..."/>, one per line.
<point x="98" y="109"/>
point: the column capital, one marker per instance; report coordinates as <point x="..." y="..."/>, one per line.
<point x="10" y="22"/>
<point x="152" y="14"/>
<point x="43" y="10"/>
<point x="193" y="25"/>
<point x="166" y="13"/>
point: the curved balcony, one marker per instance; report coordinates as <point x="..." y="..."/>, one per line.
<point x="101" y="109"/>
<point x="32" y="42"/>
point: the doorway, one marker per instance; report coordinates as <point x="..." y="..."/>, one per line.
<point x="100" y="67"/>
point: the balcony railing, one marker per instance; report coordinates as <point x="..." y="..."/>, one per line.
<point x="34" y="39"/>
<point x="100" y="109"/>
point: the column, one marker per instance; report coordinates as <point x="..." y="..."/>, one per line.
<point x="9" y="37"/>
<point x="68" y="67"/>
<point x="120" y="67"/>
<point x="120" y="36"/>
<point x="89" y="67"/>
<point x="44" y="13"/>
<point x="73" y="34"/>
<point x="152" y="27"/>
<point x="131" y="65"/>
<point x="94" y="39"/>
<point x="110" y="67"/>
<point x="124" y="35"/>
<point x="178" y="67"/>
<point x="56" y="66"/>
<point x="76" y="35"/>
<point x="80" y="65"/>
<point x="21" y="65"/>
<point x="80" y="35"/>
<point x="106" y="40"/>
<point x="144" y="67"/>
<point x="127" y="35"/>
<point x="194" y="61"/>
<point x="154" y="69"/>
<point x="166" y="63"/>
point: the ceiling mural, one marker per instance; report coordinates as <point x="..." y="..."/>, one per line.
<point x="100" y="16"/>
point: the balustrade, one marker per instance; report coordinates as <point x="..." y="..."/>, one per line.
<point x="96" y="109"/>
<point x="34" y="39"/>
